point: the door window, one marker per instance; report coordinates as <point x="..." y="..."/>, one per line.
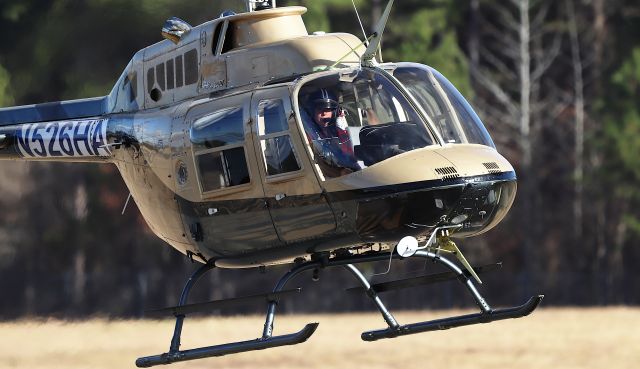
<point x="218" y="144"/>
<point x="275" y="141"/>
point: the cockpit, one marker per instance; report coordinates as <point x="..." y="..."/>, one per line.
<point x="356" y="118"/>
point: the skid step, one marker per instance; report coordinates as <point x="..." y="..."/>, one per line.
<point x="424" y="280"/>
<point x="457" y="321"/>
<point x="219" y="304"/>
<point x="228" y="348"/>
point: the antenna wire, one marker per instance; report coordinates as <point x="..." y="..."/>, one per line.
<point x="366" y="42"/>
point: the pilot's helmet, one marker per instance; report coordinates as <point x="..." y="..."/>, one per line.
<point x="324" y="99"/>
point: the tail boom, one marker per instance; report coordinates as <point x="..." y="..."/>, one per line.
<point x="66" y="140"/>
<point x="74" y="130"/>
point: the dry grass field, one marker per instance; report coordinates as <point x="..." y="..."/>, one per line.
<point x="550" y="338"/>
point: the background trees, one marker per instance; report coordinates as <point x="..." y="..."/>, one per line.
<point x="557" y="83"/>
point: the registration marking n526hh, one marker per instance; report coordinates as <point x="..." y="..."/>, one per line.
<point x="66" y="138"/>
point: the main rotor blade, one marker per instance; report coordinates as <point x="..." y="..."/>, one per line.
<point x="423" y="280"/>
<point x="220" y="304"/>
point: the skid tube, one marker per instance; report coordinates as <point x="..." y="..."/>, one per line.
<point x="394" y="329"/>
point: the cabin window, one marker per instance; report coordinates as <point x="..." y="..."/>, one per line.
<point x="179" y="72"/>
<point x="275" y="141"/>
<point x="218" y="144"/>
<point x="170" y="75"/>
<point x="191" y="67"/>
<point x="218" y="129"/>
<point x="222" y="169"/>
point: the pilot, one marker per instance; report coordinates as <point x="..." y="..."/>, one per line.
<point x="329" y="135"/>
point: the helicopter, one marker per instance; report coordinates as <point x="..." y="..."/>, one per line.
<point x="248" y="142"/>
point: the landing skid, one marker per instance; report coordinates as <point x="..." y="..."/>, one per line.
<point x="267" y="340"/>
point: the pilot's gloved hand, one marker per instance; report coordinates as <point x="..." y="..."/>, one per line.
<point x="341" y="120"/>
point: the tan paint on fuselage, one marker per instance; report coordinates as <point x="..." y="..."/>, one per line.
<point x="267" y="45"/>
<point x="419" y="165"/>
<point x="468" y="159"/>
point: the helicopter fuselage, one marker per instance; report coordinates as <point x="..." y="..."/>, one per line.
<point x="276" y="220"/>
<point x="230" y="169"/>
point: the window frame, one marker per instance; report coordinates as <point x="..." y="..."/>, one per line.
<point x="286" y="105"/>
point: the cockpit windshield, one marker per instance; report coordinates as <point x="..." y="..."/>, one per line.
<point x="357" y="120"/>
<point x="444" y="105"/>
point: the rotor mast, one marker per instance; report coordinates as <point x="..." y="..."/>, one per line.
<point x="256" y="5"/>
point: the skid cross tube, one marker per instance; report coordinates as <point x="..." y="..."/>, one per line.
<point x="423" y="280"/>
<point x="175" y="341"/>
<point x="271" y="310"/>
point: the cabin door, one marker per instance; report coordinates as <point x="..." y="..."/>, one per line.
<point x="224" y="200"/>
<point x="293" y="195"/>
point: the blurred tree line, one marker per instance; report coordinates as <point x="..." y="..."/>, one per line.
<point x="556" y="82"/>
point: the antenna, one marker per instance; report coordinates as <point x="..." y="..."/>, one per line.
<point x="368" y="58"/>
<point x="257" y="5"/>
<point x="359" y="21"/>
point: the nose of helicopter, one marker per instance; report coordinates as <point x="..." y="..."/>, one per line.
<point x="489" y="188"/>
<point x="481" y="206"/>
<point x="475" y="189"/>
<point x="476" y="203"/>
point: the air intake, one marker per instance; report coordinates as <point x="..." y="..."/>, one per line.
<point x="492" y="167"/>
<point x="448" y="172"/>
